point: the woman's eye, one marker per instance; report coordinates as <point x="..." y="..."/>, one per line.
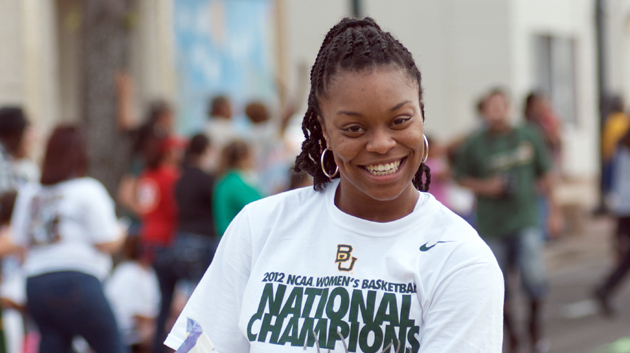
<point x="354" y="129"/>
<point x="400" y="120"/>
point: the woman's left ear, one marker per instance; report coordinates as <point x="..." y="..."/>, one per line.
<point x="324" y="133"/>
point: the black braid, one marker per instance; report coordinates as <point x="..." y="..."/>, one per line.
<point x="417" y="179"/>
<point x="350" y="45"/>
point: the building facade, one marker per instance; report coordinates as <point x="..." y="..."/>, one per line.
<point x="463" y="48"/>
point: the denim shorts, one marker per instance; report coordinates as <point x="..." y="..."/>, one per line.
<point x="524" y="251"/>
<point x="188" y="257"/>
<point x="66" y="304"/>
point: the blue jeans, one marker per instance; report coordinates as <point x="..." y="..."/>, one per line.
<point x="188" y="258"/>
<point x="523" y="250"/>
<point x="68" y="304"/>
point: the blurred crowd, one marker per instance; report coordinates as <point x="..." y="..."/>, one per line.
<point x="146" y="247"/>
<point x="115" y="271"/>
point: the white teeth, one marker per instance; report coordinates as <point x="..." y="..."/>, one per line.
<point x="383" y="169"/>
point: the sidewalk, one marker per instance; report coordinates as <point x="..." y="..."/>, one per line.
<point x="576" y="263"/>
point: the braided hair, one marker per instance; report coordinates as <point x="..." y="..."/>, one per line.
<point x="351" y="45"/>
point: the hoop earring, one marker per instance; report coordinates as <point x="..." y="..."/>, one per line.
<point x="426" y="149"/>
<point x="324" y="169"/>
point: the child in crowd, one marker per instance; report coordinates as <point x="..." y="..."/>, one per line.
<point x="134" y="295"/>
<point x="440" y="171"/>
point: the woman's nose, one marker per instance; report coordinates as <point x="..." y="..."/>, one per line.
<point x="381" y="141"/>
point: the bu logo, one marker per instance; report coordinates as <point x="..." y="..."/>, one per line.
<point x="344" y="258"/>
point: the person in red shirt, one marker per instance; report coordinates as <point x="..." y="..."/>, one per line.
<point x="155" y="195"/>
<point x="155" y="192"/>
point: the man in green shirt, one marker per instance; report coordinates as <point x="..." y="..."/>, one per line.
<point x="504" y="166"/>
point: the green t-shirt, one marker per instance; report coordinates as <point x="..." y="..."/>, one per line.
<point x="521" y="158"/>
<point x="231" y="194"/>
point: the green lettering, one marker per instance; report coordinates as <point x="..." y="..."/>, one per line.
<point x="273" y="328"/>
<point x="411" y="337"/>
<point x="336" y="317"/>
<point x="405" y="320"/>
<point x="305" y="331"/>
<point x="354" y="336"/>
<point x="307" y="334"/>
<point x="388" y="310"/>
<point x="268" y="298"/>
<point x="363" y="338"/>
<point x="293" y="304"/>
<point x="391" y="337"/>
<point x="322" y="304"/>
<point x="250" y="335"/>
<point x="291" y="332"/>
<point x="311" y="293"/>
<point x="366" y="307"/>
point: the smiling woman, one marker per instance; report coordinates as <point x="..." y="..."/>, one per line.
<point x="372" y="122"/>
<point x="366" y="260"/>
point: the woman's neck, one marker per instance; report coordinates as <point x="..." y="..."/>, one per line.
<point x="365" y="207"/>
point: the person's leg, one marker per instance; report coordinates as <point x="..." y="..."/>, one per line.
<point x="77" y="307"/>
<point x="167" y="281"/>
<point x="621" y="240"/>
<point x="45" y="300"/>
<point x="614" y="278"/>
<point x="531" y="263"/>
<point x="97" y="325"/>
<point x="502" y="249"/>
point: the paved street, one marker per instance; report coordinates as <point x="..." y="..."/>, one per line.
<point x="576" y="262"/>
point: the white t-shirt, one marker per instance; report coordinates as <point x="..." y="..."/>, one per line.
<point x="294" y="266"/>
<point x="132" y="291"/>
<point x="60" y="224"/>
<point x="220" y="132"/>
<point x="273" y="159"/>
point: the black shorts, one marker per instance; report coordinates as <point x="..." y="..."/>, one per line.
<point x="623" y="226"/>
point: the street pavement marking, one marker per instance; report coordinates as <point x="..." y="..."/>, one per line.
<point x="579" y="309"/>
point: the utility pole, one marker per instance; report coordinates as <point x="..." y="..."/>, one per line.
<point x="602" y="86"/>
<point x="356" y="8"/>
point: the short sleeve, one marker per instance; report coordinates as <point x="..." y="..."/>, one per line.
<point x="150" y="297"/>
<point x="20" y="218"/>
<point x="542" y="158"/>
<point x="216" y="302"/>
<point x="465" y="161"/>
<point x="466" y="312"/>
<point x="100" y="214"/>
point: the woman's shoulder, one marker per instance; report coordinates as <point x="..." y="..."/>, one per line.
<point x="85" y="187"/>
<point x="84" y="182"/>
<point x="450" y="225"/>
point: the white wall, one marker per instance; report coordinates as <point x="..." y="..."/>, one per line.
<point x="11" y="85"/>
<point x="152" y="53"/>
<point x="28" y="58"/>
<point x="306" y="24"/>
<point x="619" y="47"/>
<point x="564" y="18"/>
<point x="69" y="66"/>
<point x="39" y="64"/>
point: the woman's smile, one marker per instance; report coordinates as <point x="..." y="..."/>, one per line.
<point x="383" y="169"/>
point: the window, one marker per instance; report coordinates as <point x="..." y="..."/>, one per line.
<point x="555" y="74"/>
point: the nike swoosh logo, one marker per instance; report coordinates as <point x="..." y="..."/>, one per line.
<point x="427" y="248"/>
